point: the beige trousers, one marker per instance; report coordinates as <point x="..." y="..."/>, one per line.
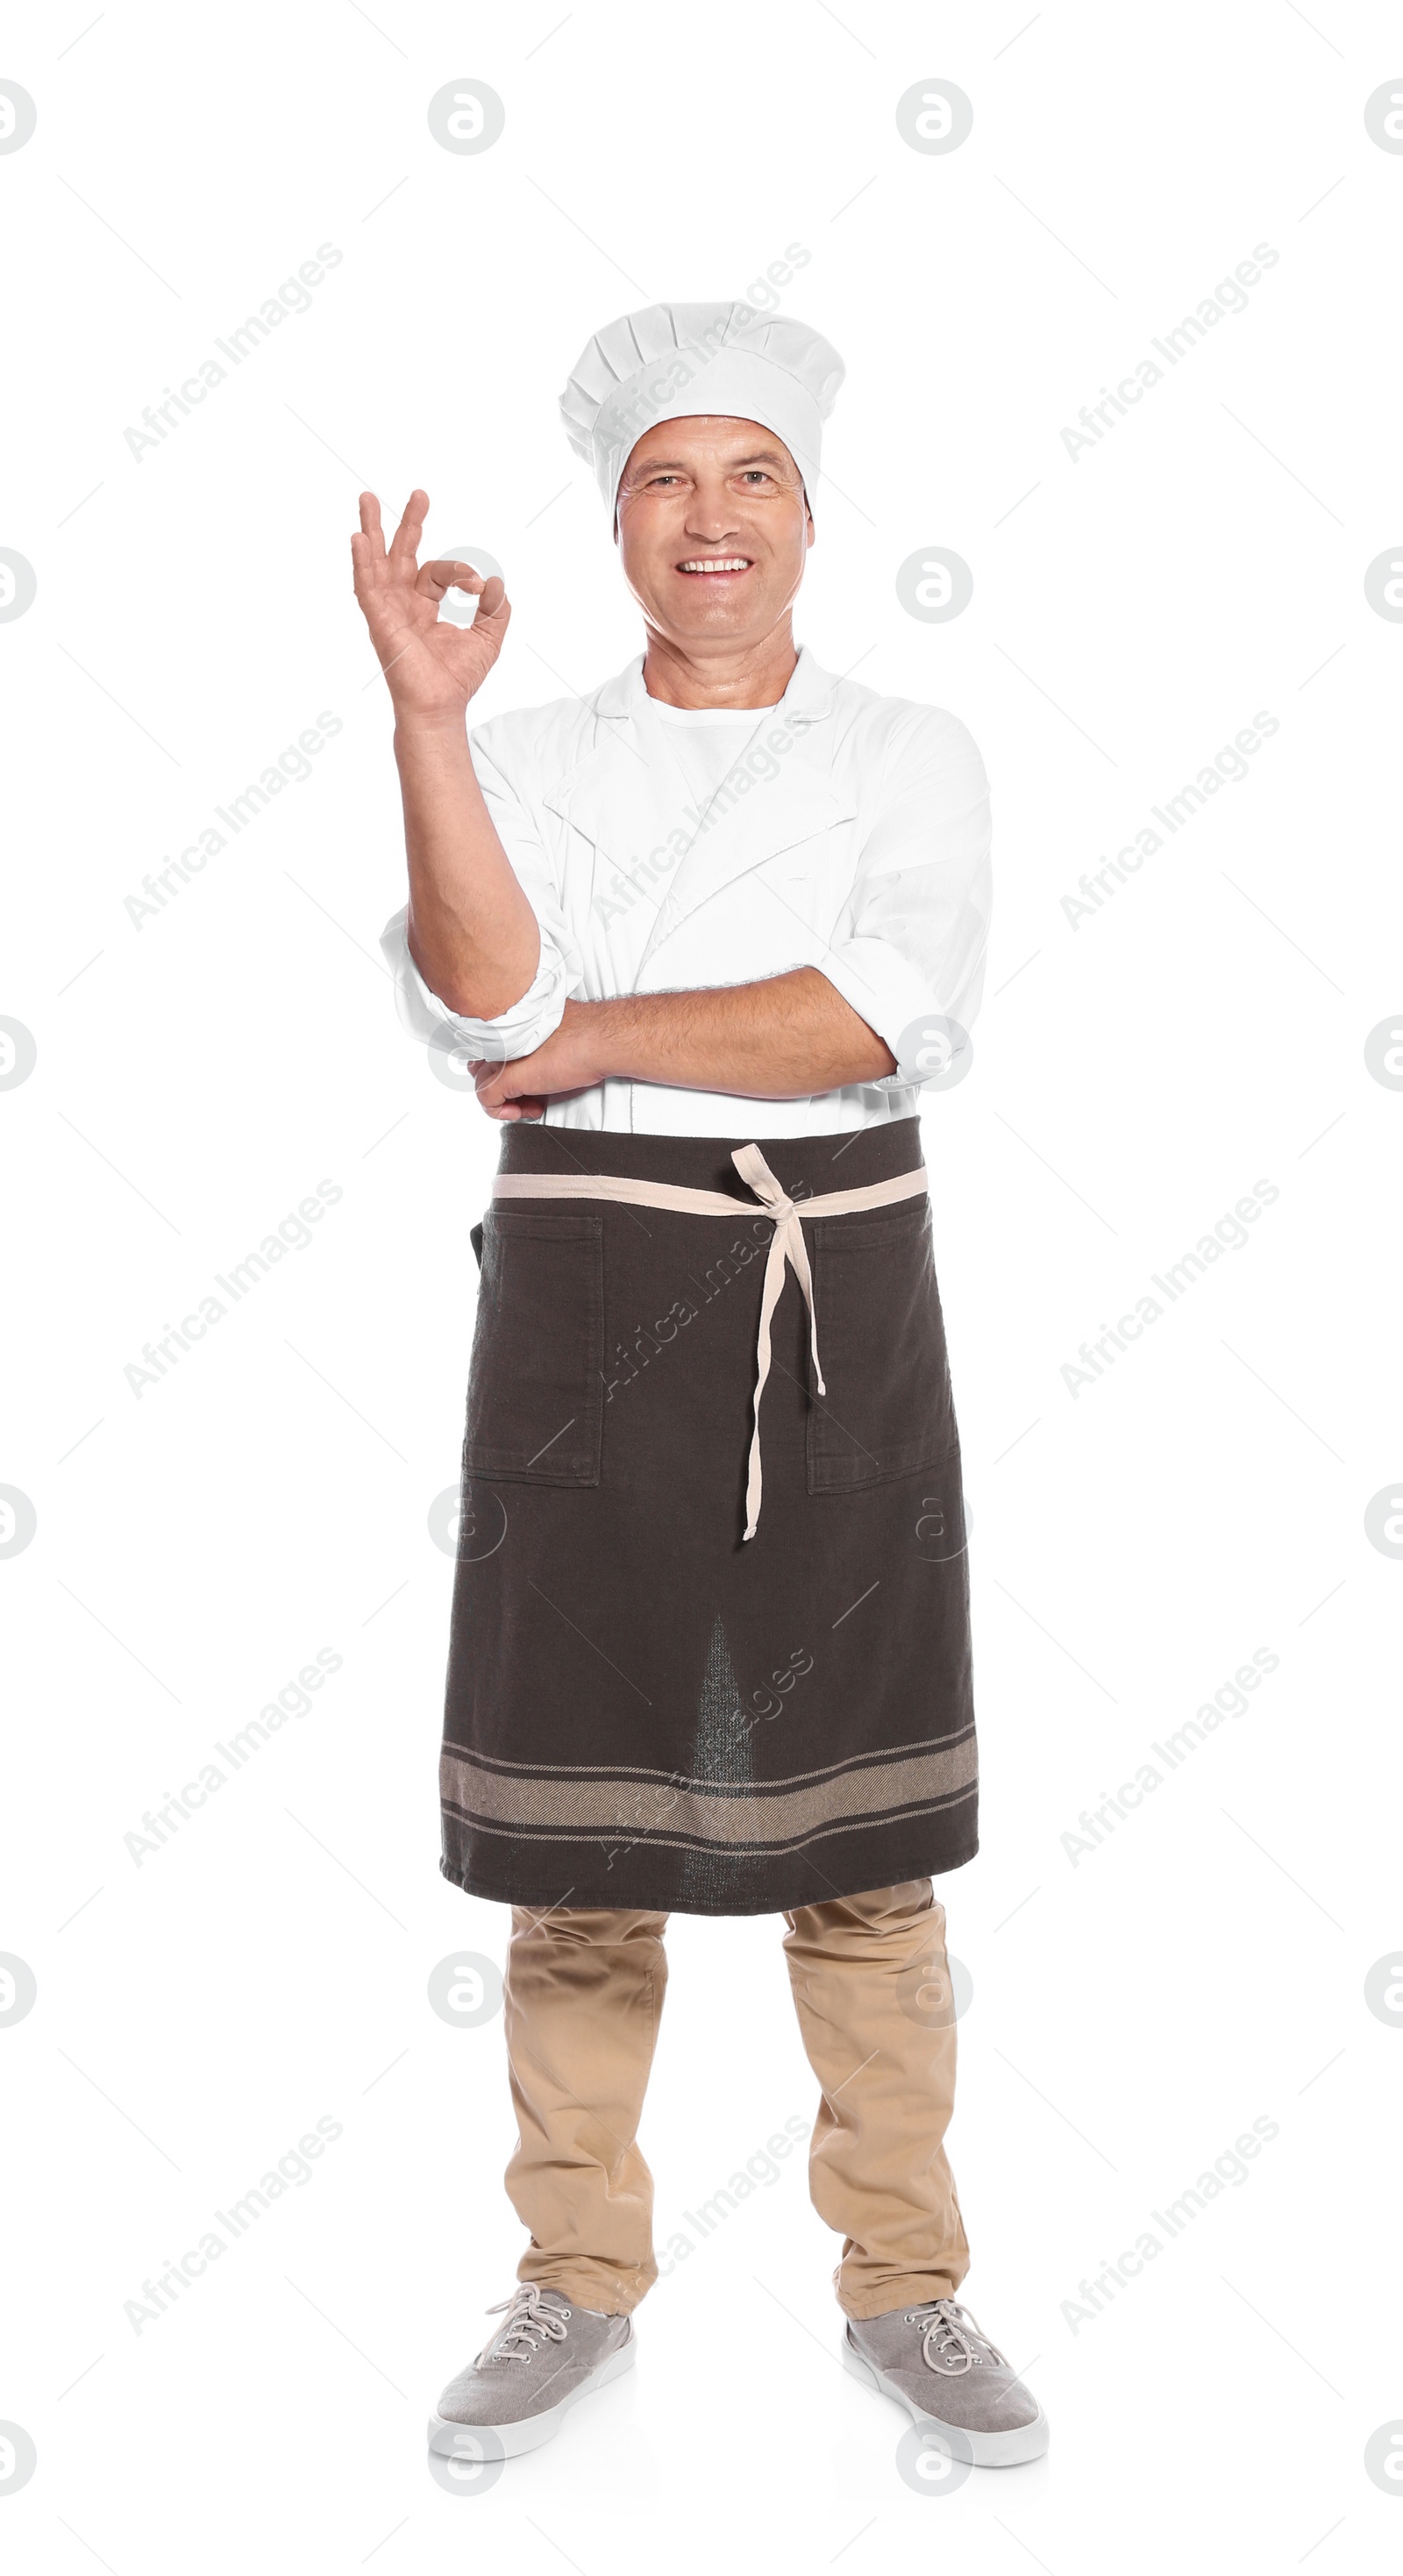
<point x="584" y="1993"/>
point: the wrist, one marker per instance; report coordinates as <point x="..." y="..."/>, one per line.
<point x="415" y="732"/>
<point x="595" y="1033"/>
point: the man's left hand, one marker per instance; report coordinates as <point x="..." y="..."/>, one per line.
<point x="567" y="1062"/>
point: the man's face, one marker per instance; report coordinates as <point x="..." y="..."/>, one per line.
<point x="713" y="530"/>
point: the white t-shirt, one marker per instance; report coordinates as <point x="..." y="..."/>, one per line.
<point x="706" y="742"/>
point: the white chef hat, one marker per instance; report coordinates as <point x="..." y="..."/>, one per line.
<point x="673" y="360"/>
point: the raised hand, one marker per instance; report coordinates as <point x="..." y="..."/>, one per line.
<point x="431" y="670"/>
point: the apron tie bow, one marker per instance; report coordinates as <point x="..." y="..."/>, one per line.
<point x="787" y="1245"/>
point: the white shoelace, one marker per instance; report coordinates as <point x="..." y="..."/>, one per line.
<point x="529" y="2323"/>
<point x="953" y="2342"/>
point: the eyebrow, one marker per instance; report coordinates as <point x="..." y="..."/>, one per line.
<point x="678" y="465"/>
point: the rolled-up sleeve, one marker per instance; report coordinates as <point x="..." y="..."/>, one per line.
<point x="910" y="943"/>
<point x="559" y="973"/>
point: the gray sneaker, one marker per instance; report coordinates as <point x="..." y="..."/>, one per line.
<point x="523" y="2382"/>
<point x="935" y="2362"/>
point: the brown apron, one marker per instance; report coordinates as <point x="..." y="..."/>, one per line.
<point x="674" y="1682"/>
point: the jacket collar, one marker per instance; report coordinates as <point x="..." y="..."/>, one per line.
<point x="627" y="795"/>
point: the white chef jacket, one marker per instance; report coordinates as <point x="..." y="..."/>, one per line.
<point x="842" y="830"/>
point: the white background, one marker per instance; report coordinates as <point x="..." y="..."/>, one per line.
<point x="268" y="1497"/>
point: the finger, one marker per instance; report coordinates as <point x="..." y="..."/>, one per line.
<point x="367" y="555"/>
<point x="405" y="541"/>
<point x="370" y="524"/>
<point x="493" y="612"/>
<point x="511" y="1110"/>
<point x="443" y="574"/>
<point x="496" y="1082"/>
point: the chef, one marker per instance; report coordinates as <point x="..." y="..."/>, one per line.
<point x="702" y="934"/>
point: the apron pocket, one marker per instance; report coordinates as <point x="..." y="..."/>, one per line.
<point x="535" y="1390"/>
<point x="881" y="1336"/>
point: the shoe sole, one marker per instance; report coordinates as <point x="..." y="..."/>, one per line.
<point x="987" y="2450"/>
<point x="449" y="2438"/>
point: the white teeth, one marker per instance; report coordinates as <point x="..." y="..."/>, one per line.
<point x="718" y="563"/>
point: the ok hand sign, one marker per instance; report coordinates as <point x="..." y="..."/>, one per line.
<point x="431" y="670"/>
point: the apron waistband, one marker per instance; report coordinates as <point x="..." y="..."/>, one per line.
<point x="787" y="1245"/>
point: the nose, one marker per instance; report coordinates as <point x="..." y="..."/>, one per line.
<point x="710" y="517"/>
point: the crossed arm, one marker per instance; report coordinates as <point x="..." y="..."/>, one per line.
<point x="474" y="938"/>
<point x="780" y="1039"/>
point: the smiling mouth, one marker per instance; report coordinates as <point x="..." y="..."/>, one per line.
<point x="708" y="566"/>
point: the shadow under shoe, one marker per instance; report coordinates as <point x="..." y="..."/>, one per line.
<point x="546" y="2354"/>
<point x="935" y="2362"/>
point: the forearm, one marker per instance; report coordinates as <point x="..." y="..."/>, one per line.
<point x="472" y="932"/>
<point x="778" y="1040"/>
